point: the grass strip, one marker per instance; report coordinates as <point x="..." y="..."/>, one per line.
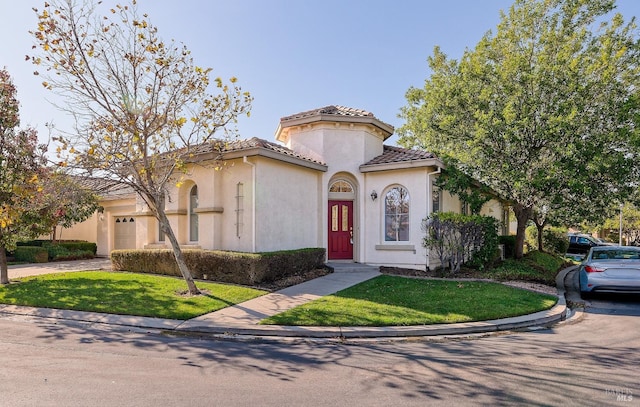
<point x="123" y="293"/>
<point x="392" y="300"/>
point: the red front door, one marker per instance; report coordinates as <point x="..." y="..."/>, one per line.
<point x="340" y="230"/>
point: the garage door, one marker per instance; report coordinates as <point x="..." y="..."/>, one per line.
<point x="125" y="233"/>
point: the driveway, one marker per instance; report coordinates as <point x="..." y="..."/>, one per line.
<point x="25" y="270"/>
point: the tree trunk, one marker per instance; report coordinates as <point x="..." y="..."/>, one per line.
<point x="177" y="252"/>
<point x="523" y="214"/>
<point x="540" y="243"/>
<point x="4" y="272"/>
<point x="540" y="227"/>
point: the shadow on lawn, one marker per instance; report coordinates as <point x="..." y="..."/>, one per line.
<point x="126" y="297"/>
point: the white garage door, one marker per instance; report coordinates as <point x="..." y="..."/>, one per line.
<point x="124" y="233"/>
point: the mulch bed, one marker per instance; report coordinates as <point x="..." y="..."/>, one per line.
<point x="319" y="272"/>
<point x="397" y="271"/>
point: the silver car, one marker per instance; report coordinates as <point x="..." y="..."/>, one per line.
<point x="608" y="269"/>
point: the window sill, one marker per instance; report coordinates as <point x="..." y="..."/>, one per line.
<point x="397" y="247"/>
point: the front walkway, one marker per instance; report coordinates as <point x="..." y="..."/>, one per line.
<point x="253" y="311"/>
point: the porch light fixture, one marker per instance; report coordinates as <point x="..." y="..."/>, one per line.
<point x="374" y="195"/>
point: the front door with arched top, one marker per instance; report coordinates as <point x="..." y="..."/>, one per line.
<point x="340" y="245"/>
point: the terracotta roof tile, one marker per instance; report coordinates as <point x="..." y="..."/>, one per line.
<point x="222" y="147"/>
<point x="106" y="188"/>
<point x="330" y="110"/>
<point x="255" y="142"/>
<point x="392" y="154"/>
<point x="334" y="110"/>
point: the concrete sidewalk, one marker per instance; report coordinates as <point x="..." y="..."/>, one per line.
<point x="244" y="318"/>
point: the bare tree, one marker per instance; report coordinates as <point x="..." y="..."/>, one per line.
<point x="141" y="105"/>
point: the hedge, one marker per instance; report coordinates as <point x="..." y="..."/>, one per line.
<point x="509" y="242"/>
<point x="221" y="266"/>
<point x="31" y="254"/>
<point x="64" y="249"/>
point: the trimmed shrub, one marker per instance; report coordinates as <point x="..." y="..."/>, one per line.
<point x="509" y="242"/>
<point x="65" y="249"/>
<point x="556" y="240"/>
<point x="459" y="239"/>
<point x="31" y="254"/>
<point x="62" y="252"/>
<point x="79" y="247"/>
<point x="222" y="266"/>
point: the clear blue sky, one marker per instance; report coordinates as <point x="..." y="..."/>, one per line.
<point x="292" y="55"/>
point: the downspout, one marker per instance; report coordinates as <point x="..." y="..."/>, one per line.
<point x="430" y="203"/>
<point x="253" y="202"/>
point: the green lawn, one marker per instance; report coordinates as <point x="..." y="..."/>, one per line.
<point x="123" y="293"/>
<point x="391" y="300"/>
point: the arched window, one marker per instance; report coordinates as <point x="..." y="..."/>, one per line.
<point x="396" y="215"/>
<point x="341" y="186"/>
<point x="193" y="216"/>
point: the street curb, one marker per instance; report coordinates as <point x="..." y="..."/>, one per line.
<point x="555" y="314"/>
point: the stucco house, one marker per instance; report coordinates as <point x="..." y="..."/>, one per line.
<point x="328" y="181"/>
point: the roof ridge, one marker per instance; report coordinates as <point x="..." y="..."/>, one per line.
<point x="337" y="110"/>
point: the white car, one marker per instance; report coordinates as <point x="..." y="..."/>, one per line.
<point x="608" y="269"/>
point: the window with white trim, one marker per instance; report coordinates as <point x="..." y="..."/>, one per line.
<point x="436" y="199"/>
<point x="396" y="215"/>
<point x="341" y="186"/>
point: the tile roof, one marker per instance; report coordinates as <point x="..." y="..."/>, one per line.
<point x="392" y="154"/>
<point x="334" y="110"/>
<point x="222" y="147"/>
<point x="106" y="188"/>
<point x="330" y="110"/>
<point x="239" y="145"/>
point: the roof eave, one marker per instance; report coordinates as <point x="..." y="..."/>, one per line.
<point x="401" y="165"/>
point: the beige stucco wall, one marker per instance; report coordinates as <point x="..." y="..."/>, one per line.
<point x="87" y="230"/>
<point x="342" y="146"/>
<point x="288" y="206"/>
<point x="217" y="208"/>
<point x="285" y="207"/>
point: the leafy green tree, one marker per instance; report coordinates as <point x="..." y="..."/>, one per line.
<point x="630" y="225"/>
<point x="142" y="107"/>
<point x="544" y="111"/>
<point x="66" y="201"/>
<point x="21" y="171"/>
<point x="467" y="189"/>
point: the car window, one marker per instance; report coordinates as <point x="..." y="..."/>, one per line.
<point x="572" y="239"/>
<point x="616" y="255"/>
<point x="600" y="255"/>
<point x="584" y="240"/>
